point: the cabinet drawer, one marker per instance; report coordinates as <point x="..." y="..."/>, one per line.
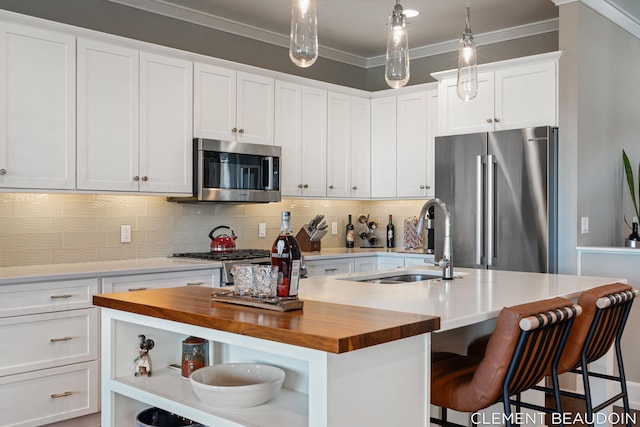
<point x="48" y="340"/>
<point x="31" y="298"/>
<point x="329" y="267"/>
<point x="50" y="395"/>
<point x="163" y="280"/>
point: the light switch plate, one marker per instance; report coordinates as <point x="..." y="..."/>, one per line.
<point x="334" y="228"/>
<point x="262" y="229"/>
<point x="125" y="234"/>
<point x="584" y="225"/>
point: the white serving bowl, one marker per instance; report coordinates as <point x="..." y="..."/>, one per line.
<point x="237" y="385"/>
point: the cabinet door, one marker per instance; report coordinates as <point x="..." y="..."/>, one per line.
<point x="386" y="262"/>
<point x="460" y="117"/>
<point x="254" y="118"/>
<point x="360" y="148"/>
<point x="526" y="96"/>
<point x="288" y="135"/>
<point x="313" y="161"/>
<point x="383" y="147"/>
<point x="214" y="102"/>
<point x="37" y="108"/>
<point x="365" y="264"/>
<point x="107" y="148"/>
<point x="412" y="145"/>
<point x="166" y="124"/>
<point x="338" y="145"/>
<point x="432" y="131"/>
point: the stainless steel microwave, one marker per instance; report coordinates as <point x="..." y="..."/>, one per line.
<point x="225" y="171"/>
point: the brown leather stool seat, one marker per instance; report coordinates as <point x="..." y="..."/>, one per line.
<point x="526" y="341"/>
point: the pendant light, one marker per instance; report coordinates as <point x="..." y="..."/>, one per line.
<point x="303" y="46"/>
<point x="467" y="65"/>
<point x="396" y="70"/>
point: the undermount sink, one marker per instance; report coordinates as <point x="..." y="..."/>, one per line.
<point x="391" y="277"/>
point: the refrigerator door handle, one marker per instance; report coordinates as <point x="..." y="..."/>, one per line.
<point x="490" y="209"/>
<point x="479" y="210"/>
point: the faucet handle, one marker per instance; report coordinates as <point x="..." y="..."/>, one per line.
<point x="443" y="263"/>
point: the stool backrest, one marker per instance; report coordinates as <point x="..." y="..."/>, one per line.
<point x="522" y="347"/>
<point x="604" y="313"/>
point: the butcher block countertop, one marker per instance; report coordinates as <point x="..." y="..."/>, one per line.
<point x="324" y="326"/>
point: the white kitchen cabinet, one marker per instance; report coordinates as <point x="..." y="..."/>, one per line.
<point x="231" y="105"/>
<point x="301" y="131"/>
<point x="348" y="146"/>
<point x="387" y="262"/>
<point x="383" y="147"/>
<point x="329" y="267"/>
<point x="365" y="264"/>
<point x="140" y="282"/>
<point x="134" y="120"/>
<point x="49" y="362"/>
<point x="37" y="108"/>
<point x="512" y="94"/>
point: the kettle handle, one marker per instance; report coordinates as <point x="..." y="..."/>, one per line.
<point x="219" y="227"/>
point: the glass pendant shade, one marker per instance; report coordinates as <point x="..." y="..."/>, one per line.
<point x="396" y="71"/>
<point x="303" y="45"/>
<point x="467" y="87"/>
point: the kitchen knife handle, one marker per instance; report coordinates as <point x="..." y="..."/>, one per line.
<point x="490" y="211"/>
<point x="479" y="218"/>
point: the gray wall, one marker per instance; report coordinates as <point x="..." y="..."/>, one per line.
<point x="113" y="18"/>
<point x="598" y="118"/>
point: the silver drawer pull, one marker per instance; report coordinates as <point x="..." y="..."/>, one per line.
<point x="330" y="269"/>
<point x="195" y="283"/>
<point x="60" y="339"/>
<point x="65" y="296"/>
<point x="137" y="289"/>
<point x="65" y="394"/>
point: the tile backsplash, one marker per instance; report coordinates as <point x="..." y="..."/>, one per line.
<point x="63" y="228"/>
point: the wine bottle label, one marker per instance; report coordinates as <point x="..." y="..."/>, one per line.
<point x="295" y="276"/>
<point x="351" y="235"/>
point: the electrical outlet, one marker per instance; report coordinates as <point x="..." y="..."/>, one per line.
<point x="125" y="234"/>
<point x="334" y="227"/>
<point x="262" y="229"/>
<point x="584" y="225"/>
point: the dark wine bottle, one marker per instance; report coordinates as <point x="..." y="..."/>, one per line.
<point x="634" y="232"/>
<point x="390" y="233"/>
<point x="350" y="233"/>
<point x="286" y="255"/>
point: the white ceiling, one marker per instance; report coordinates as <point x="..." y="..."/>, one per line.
<point x="354" y="31"/>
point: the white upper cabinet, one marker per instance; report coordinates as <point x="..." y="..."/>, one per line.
<point x="232" y="105"/>
<point x="383" y="147"/>
<point x="37" y="108"/>
<point x="511" y="94"/>
<point x="348" y="146"/>
<point x="108" y="109"/>
<point x="301" y="131"/>
<point x="134" y="120"/>
<point x="411" y="145"/>
<point x="166" y="124"/>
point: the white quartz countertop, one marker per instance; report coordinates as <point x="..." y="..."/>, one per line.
<point x="475" y="296"/>
<point x="80" y="270"/>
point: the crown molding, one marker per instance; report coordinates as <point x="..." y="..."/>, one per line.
<point x="165" y="8"/>
<point x="612" y="12"/>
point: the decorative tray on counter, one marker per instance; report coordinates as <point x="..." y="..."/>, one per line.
<point x="274" y="304"/>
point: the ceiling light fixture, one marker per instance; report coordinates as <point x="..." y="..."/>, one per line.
<point x="467" y="86"/>
<point x="303" y="46"/>
<point x="396" y="70"/>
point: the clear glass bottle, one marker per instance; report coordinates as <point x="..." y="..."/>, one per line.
<point x="350" y="233"/>
<point x="286" y="254"/>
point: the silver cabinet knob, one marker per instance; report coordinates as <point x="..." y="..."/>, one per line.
<point x="3" y="171"/>
<point x="136" y="178"/>
<point x="354" y="188"/>
<point x="299" y="185"/>
<point x="331" y="187"/>
<point x="489" y="120"/>
<point x="428" y="187"/>
<point x="306" y="186"/>
<point x="422" y="187"/>
<point x="145" y="178"/>
<point x="234" y="130"/>
<point x="497" y="120"/>
<point x="241" y="131"/>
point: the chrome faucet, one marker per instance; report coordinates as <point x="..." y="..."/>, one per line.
<point x="446" y="263"/>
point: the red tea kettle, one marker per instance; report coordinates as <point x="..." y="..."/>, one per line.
<point x="222" y="242"/>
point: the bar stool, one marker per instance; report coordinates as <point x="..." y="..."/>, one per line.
<point x="605" y="310"/>
<point x="526" y="342"/>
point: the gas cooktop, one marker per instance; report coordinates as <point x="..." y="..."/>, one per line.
<point x="236" y="255"/>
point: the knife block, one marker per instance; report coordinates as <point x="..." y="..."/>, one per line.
<point x="305" y="244"/>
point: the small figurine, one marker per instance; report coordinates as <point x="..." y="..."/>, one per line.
<point x="143" y="361"/>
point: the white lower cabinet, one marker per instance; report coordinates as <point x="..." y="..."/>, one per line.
<point x="365" y="264"/>
<point x="387" y="262"/>
<point x="140" y="282"/>
<point x="49" y="352"/>
<point x="329" y="267"/>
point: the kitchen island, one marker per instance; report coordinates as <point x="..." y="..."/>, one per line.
<point x="357" y="354"/>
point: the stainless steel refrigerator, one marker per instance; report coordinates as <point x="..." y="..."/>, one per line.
<point x="501" y="189"/>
